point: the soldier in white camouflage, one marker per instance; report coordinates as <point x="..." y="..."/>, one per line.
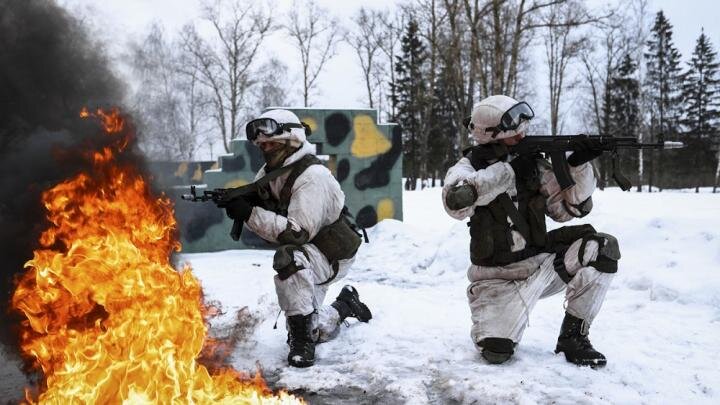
<point x="515" y="260"/>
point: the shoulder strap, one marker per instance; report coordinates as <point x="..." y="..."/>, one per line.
<point x="297" y="169"/>
<point x="481" y="155"/>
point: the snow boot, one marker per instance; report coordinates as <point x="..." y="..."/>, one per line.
<point x="348" y="305"/>
<point x="302" y="346"/>
<point x="576" y="345"/>
<point x="497" y="350"/>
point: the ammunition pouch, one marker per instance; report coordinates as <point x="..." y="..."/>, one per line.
<point x="284" y="261"/>
<point x="482" y="235"/>
<point x="338" y="240"/>
<point x="491" y="238"/>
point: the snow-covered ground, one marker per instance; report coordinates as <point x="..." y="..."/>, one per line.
<point x="659" y="327"/>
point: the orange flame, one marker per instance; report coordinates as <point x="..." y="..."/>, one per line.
<point x="108" y="319"/>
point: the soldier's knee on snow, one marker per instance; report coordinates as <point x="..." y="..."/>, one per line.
<point x="496" y="350"/>
<point x="608" y="252"/>
<point x="284" y="261"/>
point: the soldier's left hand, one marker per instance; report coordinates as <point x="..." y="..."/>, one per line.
<point x="585" y="150"/>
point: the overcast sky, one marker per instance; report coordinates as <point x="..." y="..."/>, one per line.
<point x="341" y="82"/>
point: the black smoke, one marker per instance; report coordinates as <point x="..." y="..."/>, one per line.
<point x="50" y="67"/>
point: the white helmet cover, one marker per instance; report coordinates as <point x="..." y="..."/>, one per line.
<point x="487" y="114"/>
<point x="296" y="136"/>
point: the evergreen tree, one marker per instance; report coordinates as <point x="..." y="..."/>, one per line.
<point x="662" y="86"/>
<point x="701" y="91"/>
<point x="624" y="98"/>
<point x="701" y="96"/>
<point x="409" y="95"/>
<point x="623" y="110"/>
<point x="442" y="127"/>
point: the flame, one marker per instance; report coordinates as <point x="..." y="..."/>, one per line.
<point x="108" y="319"/>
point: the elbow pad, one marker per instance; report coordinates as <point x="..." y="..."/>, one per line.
<point x="579" y="210"/>
<point x="460" y="197"/>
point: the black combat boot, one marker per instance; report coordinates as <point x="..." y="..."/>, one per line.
<point x="348" y="304"/>
<point x="576" y="346"/>
<point x="497" y="350"/>
<point x="302" y="346"/>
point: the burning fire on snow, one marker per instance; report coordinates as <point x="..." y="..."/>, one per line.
<point x="108" y="319"/>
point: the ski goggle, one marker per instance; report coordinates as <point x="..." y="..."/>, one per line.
<point x="269" y="127"/>
<point x="510" y="120"/>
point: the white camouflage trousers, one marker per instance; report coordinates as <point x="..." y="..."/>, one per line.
<point x="304" y="292"/>
<point x="501" y="298"/>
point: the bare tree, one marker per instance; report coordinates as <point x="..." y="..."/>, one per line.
<point x="623" y="34"/>
<point x="363" y="39"/>
<point x="271" y="88"/>
<point x="169" y="103"/>
<point x="562" y="45"/>
<point x="388" y="37"/>
<point x="225" y="62"/>
<point x="315" y="34"/>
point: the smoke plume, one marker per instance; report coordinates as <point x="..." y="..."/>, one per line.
<point x="49" y="69"/>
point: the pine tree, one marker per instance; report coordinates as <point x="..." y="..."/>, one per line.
<point x="701" y="99"/>
<point x="663" y="86"/>
<point x="701" y="91"/>
<point x="442" y="127"/>
<point x="409" y="94"/>
<point x="623" y="109"/>
<point x="624" y="99"/>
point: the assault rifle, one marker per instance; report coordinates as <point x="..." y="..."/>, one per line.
<point x="257" y="194"/>
<point x="556" y="147"/>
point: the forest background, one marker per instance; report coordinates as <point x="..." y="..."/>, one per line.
<point x="199" y="72"/>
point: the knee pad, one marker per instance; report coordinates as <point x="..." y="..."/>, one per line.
<point x="496" y="350"/>
<point x="284" y="261"/>
<point x="608" y="252"/>
<point x="605" y="262"/>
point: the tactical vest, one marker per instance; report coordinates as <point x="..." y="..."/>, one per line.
<point x="490" y="232"/>
<point x="338" y="240"/>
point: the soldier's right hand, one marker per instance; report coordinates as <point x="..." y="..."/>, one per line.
<point x="238" y="209"/>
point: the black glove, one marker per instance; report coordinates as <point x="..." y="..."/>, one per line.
<point x="585" y="150"/>
<point x="524" y="167"/>
<point x="238" y="209"/>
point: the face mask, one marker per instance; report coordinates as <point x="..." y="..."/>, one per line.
<point x="275" y="157"/>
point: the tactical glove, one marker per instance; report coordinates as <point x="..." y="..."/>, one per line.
<point x="524" y="167"/>
<point x="238" y="209"/>
<point x="585" y="150"/>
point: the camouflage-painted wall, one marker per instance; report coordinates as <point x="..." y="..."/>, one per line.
<point x="363" y="155"/>
<point x="172" y="174"/>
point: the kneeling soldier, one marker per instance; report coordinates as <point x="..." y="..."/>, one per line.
<point x="303" y="213"/>
<point x="515" y="260"/>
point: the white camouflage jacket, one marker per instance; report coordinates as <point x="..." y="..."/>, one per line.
<point x="316" y="201"/>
